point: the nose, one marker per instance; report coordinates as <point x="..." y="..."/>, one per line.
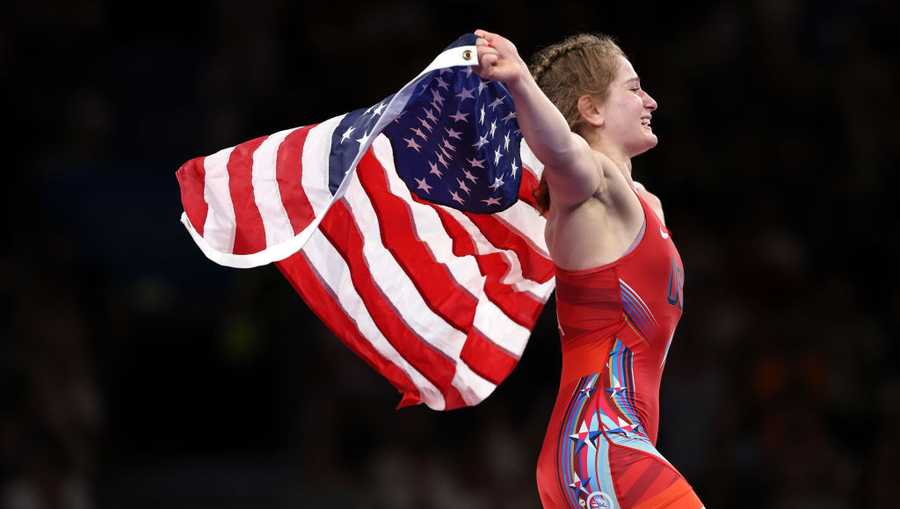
<point x="649" y="102"/>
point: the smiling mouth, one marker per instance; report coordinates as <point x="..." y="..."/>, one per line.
<point x="645" y="122"/>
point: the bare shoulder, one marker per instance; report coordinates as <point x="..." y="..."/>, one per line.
<point x="652" y="200"/>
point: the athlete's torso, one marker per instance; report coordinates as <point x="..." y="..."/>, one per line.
<point x="616" y="324"/>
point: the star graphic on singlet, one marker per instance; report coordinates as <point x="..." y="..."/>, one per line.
<point x="579" y="484"/>
<point x="584" y="437"/>
<point x="612" y="391"/>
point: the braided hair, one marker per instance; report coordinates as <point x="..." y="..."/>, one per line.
<point x="582" y="64"/>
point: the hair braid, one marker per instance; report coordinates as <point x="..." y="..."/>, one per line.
<point x="548" y="56"/>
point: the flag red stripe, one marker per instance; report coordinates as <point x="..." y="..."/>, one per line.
<point x="324" y="304"/>
<point x="534" y="266"/>
<point x="250" y="233"/>
<point x="432" y="279"/>
<point x="485" y="359"/>
<point x="521" y="307"/>
<point x="340" y="229"/>
<point x="191" y="177"/>
<point x="527" y="186"/>
<point x="288" y="171"/>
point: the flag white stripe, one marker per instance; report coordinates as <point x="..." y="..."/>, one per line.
<point x="471" y="387"/>
<point x="334" y="273"/>
<point x="219" y="227"/>
<point x="499" y="328"/>
<point x="530" y="161"/>
<point x="524" y="220"/>
<point x="316" y="151"/>
<point x="266" y="193"/>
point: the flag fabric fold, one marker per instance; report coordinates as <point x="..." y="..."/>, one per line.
<point x="408" y="227"/>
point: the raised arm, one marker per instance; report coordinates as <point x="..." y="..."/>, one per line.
<point x="573" y="173"/>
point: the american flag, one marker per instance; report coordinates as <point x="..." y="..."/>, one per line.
<point x="408" y="227"/>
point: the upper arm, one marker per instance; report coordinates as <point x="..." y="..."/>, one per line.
<point x="576" y="177"/>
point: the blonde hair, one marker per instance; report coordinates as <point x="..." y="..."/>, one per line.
<point x="582" y="64"/>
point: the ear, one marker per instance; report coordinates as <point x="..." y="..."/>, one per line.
<point x="591" y="111"/>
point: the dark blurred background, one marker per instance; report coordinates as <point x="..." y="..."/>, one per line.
<point x="135" y="373"/>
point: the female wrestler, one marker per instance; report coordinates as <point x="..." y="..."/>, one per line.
<point x="619" y="277"/>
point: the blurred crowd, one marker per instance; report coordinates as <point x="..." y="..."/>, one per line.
<point x="136" y="373"/>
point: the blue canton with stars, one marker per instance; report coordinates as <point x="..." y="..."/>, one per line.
<point x="455" y="141"/>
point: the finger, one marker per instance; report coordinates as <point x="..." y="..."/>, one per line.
<point x="487" y="50"/>
<point x="488" y="60"/>
<point x="489" y="36"/>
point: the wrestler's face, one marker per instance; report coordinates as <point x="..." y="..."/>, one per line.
<point x="627" y="112"/>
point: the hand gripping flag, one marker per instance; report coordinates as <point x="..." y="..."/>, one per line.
<point x="408" y="227"/>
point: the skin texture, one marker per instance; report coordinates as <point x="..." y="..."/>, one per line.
<point x="595" y="214"/>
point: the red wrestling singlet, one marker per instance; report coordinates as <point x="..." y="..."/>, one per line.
<point x="616" y="323"/>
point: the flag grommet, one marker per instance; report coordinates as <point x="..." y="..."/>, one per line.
<point x="467" y="54"/>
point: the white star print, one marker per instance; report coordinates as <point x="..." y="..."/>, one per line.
<point x="460" y="117"/>
<point x="497" y="183"/>
<point x="441" y="83"/>
<point x="435" y="170"/>
<point x="419" y="133"/>
<point x="514" y="167"/>
<point x="465" y="93"/>
<point x="453" y="134"/>
<point x="436" y="96"/>
<point x="457" y="198"/>
<point x="506" y="142"/>
<point x="380" y="108"/>
<point x="442" y="160"/>
<point x="509" y="116"/>
<point x="481" y="120"/>
<point x="497" y="156"/>
<point x="479" y="163"/>
<point x="448" y="145"/>
<point x="469" y="176"/>
<point x="496" y="102"/>
<point x="481" y="141"/>
<point x="463" y="186"/>
<point x="411" y="143"/>
<point x="491" y="201"/>
<point x="423" y="185"/>
<point x="493" y="128"/>
<point x="346" y="134"/>
<point x="430" y="115"/>
<point x="424" y="123"/>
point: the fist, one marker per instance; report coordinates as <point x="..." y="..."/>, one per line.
<point x="498" y="58"/>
